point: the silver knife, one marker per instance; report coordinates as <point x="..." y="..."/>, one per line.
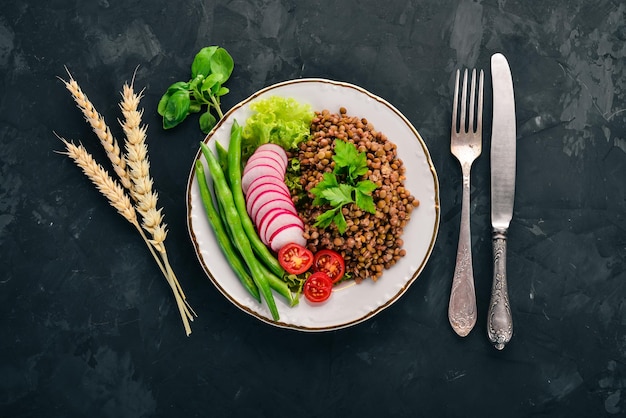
<point x="499" y="319"/>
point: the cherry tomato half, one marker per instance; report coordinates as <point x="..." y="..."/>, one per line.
<point x="318" y="287"/>
<point x="331" y="263"/>
<point x="295" y="258"/>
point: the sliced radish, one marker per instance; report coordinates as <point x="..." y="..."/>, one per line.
<point x="275" y="216"/>
<point x="274" y="148"/>
<point x="259" y="171"/>
<point x="255" y="195"/>
<point x="275" y="165"/>
<point x="267" y="156"/>
<point x="286" y="235"/>
<point x="267" y="196"/>
<point x="267" y="181"/>
<point x="277" y="223"/>
<point x="273" y="204"/>
<point x="264" y="162"/>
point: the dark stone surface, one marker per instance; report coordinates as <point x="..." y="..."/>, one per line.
<point x="87" y="323"/>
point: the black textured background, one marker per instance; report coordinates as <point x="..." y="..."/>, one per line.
<point x="87" y="323"/>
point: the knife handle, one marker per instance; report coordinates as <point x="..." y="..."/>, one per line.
<point x="499" y="319"/>
<point x="462" y="306"/>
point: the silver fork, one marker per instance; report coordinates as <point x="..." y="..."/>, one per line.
<point x="466" y="146"/>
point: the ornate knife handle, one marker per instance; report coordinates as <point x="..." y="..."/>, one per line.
<point x="499" y="319"/>
<point x="462" y="306"/>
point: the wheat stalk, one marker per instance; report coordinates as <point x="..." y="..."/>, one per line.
<point x="134" y="172"/>
<point x="100" y="178"/>
<point x="141" y="190"/>
<point x="100" y="128"/>
<point x="139" y="168"/>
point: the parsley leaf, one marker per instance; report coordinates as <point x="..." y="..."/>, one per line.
<point x="339" y="195"/>
<point x="349" y="161"/>
<point x="341" y="186"/>
<point x="329" y="180"/>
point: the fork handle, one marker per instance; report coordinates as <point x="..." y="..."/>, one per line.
<point x="462" y="307"/>
<point x="499" y="319"/>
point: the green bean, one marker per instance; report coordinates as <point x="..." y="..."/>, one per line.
<point x="234" y="179"/>
<point x="280" y="286"/>
<point x="222" y="155"/>
<point x="222" y="236"/>
<point x="240" y="238"/>
<point x="277" y="284"/>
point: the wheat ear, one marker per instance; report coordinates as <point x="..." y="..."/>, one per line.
<point x="100" y="178"/>
<point x="118" y="198"/>
<point x="111" y="189"/>
<point x="139" y="168"/>
<point x="100" y="128"/>
<point x="141" y="190"/>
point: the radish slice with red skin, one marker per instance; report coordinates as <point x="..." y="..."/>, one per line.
<point x="281" y="158"/>
<point x="273" y="204"/>
<point x="264" y="161"/>
<point x="261" y="199"/>
<point x="275" y="215"/>
<point x="253" y="197"/>
<point x="266" y="181"/>
<point x="286" y="218"/>
<point x="274" y="148"/>
<point x="259" y="171"/>
<point x="267" y="156"/>
<point x="285" y="235"/>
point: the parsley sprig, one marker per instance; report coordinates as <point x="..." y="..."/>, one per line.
<point x="342" y="186"/>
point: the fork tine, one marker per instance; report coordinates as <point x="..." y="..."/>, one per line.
<point x="470" y="124"/>
<point x="463" y="102"/>
<point x="479" y="121"/>
<point x="455" y="102"/>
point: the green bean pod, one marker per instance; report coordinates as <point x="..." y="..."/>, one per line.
<point x="222" y="156"/>
<point x="215" y="220"/>
<point x="281" y="287"/>
<point x="234" y="179"/>
<point x="277" y="284"/>
<point x="241" y="241"/>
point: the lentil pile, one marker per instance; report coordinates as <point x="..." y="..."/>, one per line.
<point x="372" y="242"/>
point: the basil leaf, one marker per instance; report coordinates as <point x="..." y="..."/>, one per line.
<point x="211" y="67"/>
<point x="202" y="61"/>
<point x="176" y="109"/>
<point x="176" y="87"/>
<point x="194" y="106"/>
<point x="207" y="122"/>
<point x="222" y="64"/>
<point x="222" y="91"/>
<point x="211" y="81"/>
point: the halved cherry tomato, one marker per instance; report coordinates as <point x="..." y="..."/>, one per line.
<point x="295" y="258"/>
<point x="318" y="287"/>
<point x="331" y="263"/>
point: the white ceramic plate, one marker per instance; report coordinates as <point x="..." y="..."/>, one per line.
<point x="349" y="304"/>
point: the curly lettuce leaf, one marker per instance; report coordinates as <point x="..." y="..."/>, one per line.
<point x="279" y="120"/>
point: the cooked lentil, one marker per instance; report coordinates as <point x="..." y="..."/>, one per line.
<point x="372" y="242"/>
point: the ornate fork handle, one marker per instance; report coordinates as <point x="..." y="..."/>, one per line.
<point x="462" y="307"/>
<point x="499" y="319"/>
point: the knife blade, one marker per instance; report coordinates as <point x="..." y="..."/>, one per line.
<point x="503" y="165"/>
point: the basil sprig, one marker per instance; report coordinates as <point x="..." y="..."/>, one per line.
<point x="211" y="68"/>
